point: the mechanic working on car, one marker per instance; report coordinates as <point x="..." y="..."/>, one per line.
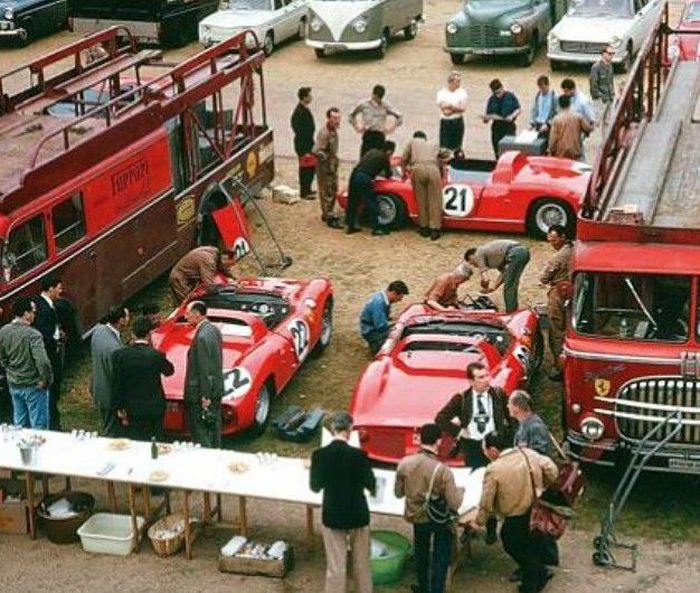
<point x="442" y="294"/>
<point x="200" y="265"/>
<point x="506" y="256"/>
<point x="375" y="319"/>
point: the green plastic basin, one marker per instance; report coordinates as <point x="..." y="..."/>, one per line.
<point x="389" y="569"/>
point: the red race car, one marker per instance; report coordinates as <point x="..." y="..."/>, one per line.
<point x="269" y="327"/>
<point x="422" y="365"/>
<point x="517" y="193"/>
<point x="687" y="47"/>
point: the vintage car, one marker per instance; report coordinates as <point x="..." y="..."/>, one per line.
<point x="687" y="47"/>
<point x="509" y="27"/>
<point x="590" y="25"/>
<point x="422" y="365"/>
<point x="25" y="20"/>
<point x="360" y="25"/>
<point x="273" y="21"/>
<point x="269" y="327"/>
<point x="517" y="193"/>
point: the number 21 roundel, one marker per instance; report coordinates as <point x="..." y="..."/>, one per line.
<point x="301" y="337"/>
<point x="457" y="200"/>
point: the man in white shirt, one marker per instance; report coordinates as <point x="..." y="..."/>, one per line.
<point x="452" y="101"/>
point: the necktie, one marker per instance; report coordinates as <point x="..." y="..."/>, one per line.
<point x="480" y="407"/>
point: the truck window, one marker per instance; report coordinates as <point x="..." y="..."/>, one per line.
<point x="26" y="248"/>
<point x="632" y="306"/>
<point x="68" y="221"/>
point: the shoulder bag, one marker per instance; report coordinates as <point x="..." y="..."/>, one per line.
<point x="436" y="506"/>
<point x="570" y="483"/>
<point x="545" y="519"/>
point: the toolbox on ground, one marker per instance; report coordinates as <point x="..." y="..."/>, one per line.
<point x="298" y="425"/>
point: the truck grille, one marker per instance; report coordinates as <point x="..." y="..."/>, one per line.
<point x="641" y="405"/>
<point x="582" y="47"/>
<point x="486" y="36"/>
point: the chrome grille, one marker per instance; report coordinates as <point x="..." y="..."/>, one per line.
<point x="643" y="404"/>
<point x="583" y="47"/>
<point x="486" y="36"/>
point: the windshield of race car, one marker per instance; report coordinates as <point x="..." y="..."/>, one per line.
<point x="498" y="337"/>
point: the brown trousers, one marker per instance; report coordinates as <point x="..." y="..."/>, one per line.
<point x="327" y="181"/>
<point x="335" y="542"/>
<point x="427" y="183"/>
<point x="557" y="324"/>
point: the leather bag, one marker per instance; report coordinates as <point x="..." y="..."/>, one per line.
<point x="436" y="506"/>
<point x="545" y="519"/>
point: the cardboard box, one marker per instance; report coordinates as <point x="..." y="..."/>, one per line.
<point x="258" y="566"/>
<point x="14" y="517"/>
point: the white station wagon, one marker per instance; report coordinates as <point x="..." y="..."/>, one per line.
<point x="273" y="21"/>
<point x="590" y="25"/>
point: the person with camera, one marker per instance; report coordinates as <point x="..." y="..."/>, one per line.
<point x="204" y="378"/>
<point x="511" y="482"/>
<point x="422" y="478"/>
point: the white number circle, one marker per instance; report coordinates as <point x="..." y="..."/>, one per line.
<point x="237" y="382"/>
<point x="301" y="337"/>
<point x="240" y="247"/>
<point x="457" y="200"/>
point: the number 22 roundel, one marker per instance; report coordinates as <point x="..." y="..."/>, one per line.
<point x="237" y="382"/>
<point x="301" y="337"/>
<point x="457" y="200"/>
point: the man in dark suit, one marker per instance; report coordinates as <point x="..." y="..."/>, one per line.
<point x="343" y="473"/>
<point x="48" y="323"/>
<point x="204" y="378"/>
<point x="137" y="392"/>
<point x="106" y="339"/>
<point x="304" y="129"/>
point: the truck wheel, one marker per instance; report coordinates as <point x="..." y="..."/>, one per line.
<point x="528" y="57"/>
<point x="326" y="329"/>
<point x="391" y="211"/>
<point x="546" y="212"/>
<point x="411" y="31"/>
<point x="457" y="59"/>
<point x="261" y="414"/>
<point x="380" y="52"/>
<point x="320" y="53"/>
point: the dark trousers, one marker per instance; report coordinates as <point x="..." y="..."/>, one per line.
<point x="371" y="139"/>
<point x="110" y="424"/>
<point x="517" y="258"/>
<point x="543" y="134"/>
<point x="474" y="454"/>
<point x="306" y="178"/>
<point x="522" y="547"/>
<point x="451" y="133"/>
<point x="361" y="192"/>
<point x="144" y="428"/>
<point x="204" y="434"/>
<point x="500" y="129"/>
<point x="375" y="339"/>
<point x="56" y="360"/>
<point x="432" y="564"/>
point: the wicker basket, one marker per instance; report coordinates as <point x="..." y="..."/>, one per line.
<point x="167" y="545"/>
<point x="63" y="530"/>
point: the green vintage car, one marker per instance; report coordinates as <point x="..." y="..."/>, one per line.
<point x="501" y="27"/>
<point x="24" y="20"/>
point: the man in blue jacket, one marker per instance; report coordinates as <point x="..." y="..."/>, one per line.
<point x="374" y="319"/>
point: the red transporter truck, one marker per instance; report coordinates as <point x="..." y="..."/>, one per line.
<point x="632" y="348"/>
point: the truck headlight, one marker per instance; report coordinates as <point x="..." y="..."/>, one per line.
<point x="516" y="28"/>
<point x="592" y="428"/>
<point x="451" y="28"/>
<point x="316" y="24"/>
<point x="360" y="25"/>
<point x="552" y="39"/>
<point x="9" y="14"/>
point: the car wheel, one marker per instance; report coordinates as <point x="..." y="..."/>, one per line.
<point x="626" y="65"/>
<point x="555" y="65"/>
<point x="411" y="31"/>
<point x="326" y="329"/>
<point x="391" y="211"/>
<point x="546" y="212"/>
<point x="380" y="52"/>
<point x="528" y="57"/>
<point x="269" y="43"/>
<point x="320" y="53"/>
<point x="261" y="414"/>
<point x="457" y="59"/>
<point x="301" y="32"/>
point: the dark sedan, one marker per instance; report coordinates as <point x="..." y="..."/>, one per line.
<point x="25" y="20"/>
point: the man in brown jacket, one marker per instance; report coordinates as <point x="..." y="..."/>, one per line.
<point x="201" y="265"/>
<point x="508" y="491"/>
<point x="326" y="151"/>
<point x="568" y="128"/>
<point x="413" y="477"/>
<point x="442" y="294"/>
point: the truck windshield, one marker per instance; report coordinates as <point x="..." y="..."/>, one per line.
<point x="632" y="306"/>
<point x="601" y="8"/>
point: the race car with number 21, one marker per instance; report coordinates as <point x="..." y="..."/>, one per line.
<point x="269" y="326"/>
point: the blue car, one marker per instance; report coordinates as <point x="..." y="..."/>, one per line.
<point x="25" y="20"/>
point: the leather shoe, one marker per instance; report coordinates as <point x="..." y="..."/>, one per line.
<point x="424" y="231"/>
<point x="435" y="235"/>
<point x="379" y="232"/>
<point x="351" y="230"/>
<point x="334" y="223"/>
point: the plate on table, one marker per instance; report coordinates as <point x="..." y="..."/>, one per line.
<point x="158" y="475"/>
<point x="119" y="444"/>
<point x="164" y="448"/>
<point x="238" y="467"/>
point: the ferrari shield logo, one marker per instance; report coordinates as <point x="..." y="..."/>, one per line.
<point x="602" y="387"/>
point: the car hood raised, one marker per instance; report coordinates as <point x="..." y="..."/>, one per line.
<point x="593" y="30"/>
<point x="237" y="19"/>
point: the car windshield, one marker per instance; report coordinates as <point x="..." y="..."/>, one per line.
<point x="692" y="13"/>
<point x="632" y="306"/>
<point x="496" y="336"/>
<point x="603" y="8"/>
<point x="245" y="5"/>
<point x="270" y="307"/>
<point x="440" y="346"/>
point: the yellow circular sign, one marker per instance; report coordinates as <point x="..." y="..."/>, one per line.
<point x="186" y="210"/>
<point x="251" y="164"/>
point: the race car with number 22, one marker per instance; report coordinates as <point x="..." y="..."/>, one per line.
<point x="517" y="193"/>
<point x="269" y="326"/>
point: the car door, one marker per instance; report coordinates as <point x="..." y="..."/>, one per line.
<point x="461" y="197"/>
<point x="293" y="12"/>
<point x="280" y="19"/>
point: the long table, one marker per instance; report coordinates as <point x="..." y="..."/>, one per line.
<point x="265" y="476"/>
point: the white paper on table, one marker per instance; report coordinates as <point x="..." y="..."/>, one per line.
<point x="327" y="437"/>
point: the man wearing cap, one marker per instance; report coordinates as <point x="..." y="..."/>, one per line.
<point x="509" y="258"/>
<point x="442" y="295"/>
<point x="343" y="473"/>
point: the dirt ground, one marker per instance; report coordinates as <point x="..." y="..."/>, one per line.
<point x="358" y="265"/>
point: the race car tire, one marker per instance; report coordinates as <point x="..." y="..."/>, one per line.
<point x="261" y="414"/>
<point x="391" y="211"/>
<point x="548" y="211"/>
<point x="326" y="329"/>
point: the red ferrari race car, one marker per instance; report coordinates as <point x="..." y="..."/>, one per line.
<point x="687" y="47"/>
<point x="517" y="193"/>
<point x="422" y="365"/>
<point x="269" y="327"/>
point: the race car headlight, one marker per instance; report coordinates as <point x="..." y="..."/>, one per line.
<point x="616" y="42"/>
<point x="316" y="24"/>
<point x="451" y="28"/>
<point x="9" y="14"/>
<point x="592" y="428"/>
<point x="360" y="25"/>
<point x="516" y="28"/>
